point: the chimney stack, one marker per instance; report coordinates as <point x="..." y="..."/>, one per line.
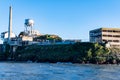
<point x="10" y="24"/>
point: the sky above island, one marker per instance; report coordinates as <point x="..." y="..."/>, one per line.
<point x="70" y="19"/>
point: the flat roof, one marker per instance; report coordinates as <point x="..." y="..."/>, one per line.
<point x="103" y="28"/>
<point x="110" y="28"/>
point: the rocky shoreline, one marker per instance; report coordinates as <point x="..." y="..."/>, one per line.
<point x="83" y="53"/>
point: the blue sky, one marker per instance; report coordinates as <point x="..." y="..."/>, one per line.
<point x="70" y="19"/>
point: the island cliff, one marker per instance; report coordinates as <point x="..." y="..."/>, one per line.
<point x="76" y="53"/>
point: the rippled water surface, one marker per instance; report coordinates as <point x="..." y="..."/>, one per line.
<point x="58" y="71"/>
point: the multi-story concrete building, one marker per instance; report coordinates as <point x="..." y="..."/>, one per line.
<point x="110" y="35"/>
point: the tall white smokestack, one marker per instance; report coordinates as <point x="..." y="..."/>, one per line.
<point x="10" y="24"/>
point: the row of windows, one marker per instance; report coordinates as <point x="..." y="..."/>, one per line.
<point x="112" y="40"/>
<point x="111" y="35"/>
<point x="115" y="46"/>
<point x="98" y="31"/>
<point x="111" y="31"/>
<point x="118" y="36"/>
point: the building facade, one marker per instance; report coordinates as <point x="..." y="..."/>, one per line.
<point x="4" y="36"/>
<point x="109" y="35"/>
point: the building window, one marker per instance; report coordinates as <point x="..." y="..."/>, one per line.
<point x="104" y="30"/>
<point x="115" y="40"/>
<point x="110" y="31"/>
<point x="109" y="40"/>
<point x="116" y="35"/>
<point x="107" y="35"/>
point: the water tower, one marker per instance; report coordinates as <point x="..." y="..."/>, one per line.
<point x="28" y="26"/>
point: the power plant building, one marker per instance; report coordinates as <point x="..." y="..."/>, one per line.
<point x="109" y="35"/>
<point x="29" y="35"/>
<point x="25" y="36"/>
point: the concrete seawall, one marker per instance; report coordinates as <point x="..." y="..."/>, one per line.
<point x="1" y="48"/>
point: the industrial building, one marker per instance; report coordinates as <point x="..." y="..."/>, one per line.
<point x="24" y="37"/>
<point x="29" y="35"/>
<point x="109" y="35"/>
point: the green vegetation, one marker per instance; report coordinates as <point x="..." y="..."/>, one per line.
<point x="51" y="38"/>
<point x="75" y="53"/>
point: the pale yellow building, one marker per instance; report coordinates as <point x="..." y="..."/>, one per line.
<point x="26" y="38"/>
<point x="109" y="35"/>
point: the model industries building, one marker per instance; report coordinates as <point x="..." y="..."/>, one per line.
<point x="103" y="35"/>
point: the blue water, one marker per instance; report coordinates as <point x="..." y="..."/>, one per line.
<point x="58" y="71"/>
